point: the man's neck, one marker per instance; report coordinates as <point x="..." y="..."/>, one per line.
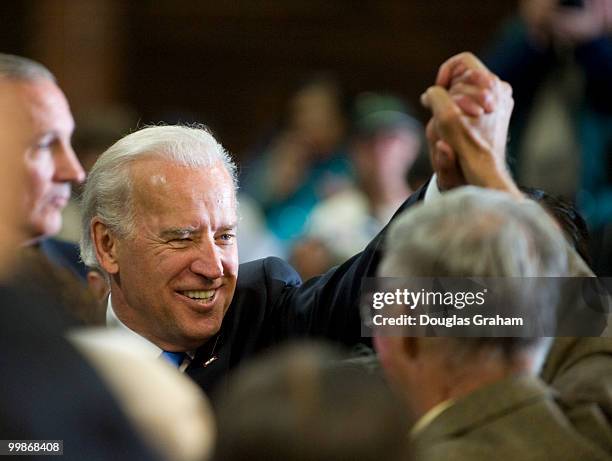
<point x="455" y="386"/>
<point x="113" y="321"/>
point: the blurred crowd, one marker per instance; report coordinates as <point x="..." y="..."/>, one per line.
<point x="148" y="311"/>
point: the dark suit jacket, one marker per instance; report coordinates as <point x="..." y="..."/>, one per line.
<point x="64" y="254"/>
<point x="514" y="419"/>
<point x="271" y="305"/>
<point x="54" y="265"/>
<point x="49" y="392"/>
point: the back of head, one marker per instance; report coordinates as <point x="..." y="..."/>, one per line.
<point x="297" y="405"/>
<point x="107" y="192"/>
<point x="473" y="232"/>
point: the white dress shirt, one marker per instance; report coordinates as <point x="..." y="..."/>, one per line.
<point x="154" y="351"/>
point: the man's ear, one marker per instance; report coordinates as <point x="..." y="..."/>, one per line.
<point x="410" y="347"/>
<point x="397" y="357"/>
<point x="105" y="244"/>
<point x="389" y="345"/>
<point x="389" y="350"/>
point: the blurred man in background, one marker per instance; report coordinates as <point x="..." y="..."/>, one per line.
<point x="44" y="146"/>
<point x="306" y="160"/>
<point x="50" y="168"/>
<point x="385" y="142"/>
<point x="557" y="55"/>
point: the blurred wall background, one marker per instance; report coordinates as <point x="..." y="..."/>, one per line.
<point x="234" y="64"/>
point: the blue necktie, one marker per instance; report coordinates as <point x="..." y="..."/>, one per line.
<point x="175" y="358"/>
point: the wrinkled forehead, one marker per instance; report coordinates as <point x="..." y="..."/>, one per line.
<point x="160" y="182"/>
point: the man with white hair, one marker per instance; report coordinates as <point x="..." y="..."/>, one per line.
<point x="479" y="398"/>
<point x="160" y="221"/>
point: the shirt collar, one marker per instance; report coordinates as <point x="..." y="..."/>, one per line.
<point x="112" y="321"/>
<point x="432" y="190"/>
<point x="428" y="417"/>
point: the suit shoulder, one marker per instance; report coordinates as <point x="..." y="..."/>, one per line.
<point x="68" y="249"/>
<point x="65" y="254"/>
<point x="261" y="284"/>
<point x="268" y="270"/>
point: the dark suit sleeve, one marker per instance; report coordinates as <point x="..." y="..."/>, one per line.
<point x="49" y="392"/>
<point x="271" y="305"/>
<point x="328" y="306"/>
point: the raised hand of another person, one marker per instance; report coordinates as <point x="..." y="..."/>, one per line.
<point x="470" y="83"/>
<point x="467" y="134"/>
<point x="470" y="138"/>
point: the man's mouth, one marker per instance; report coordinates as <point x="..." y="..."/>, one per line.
<point x="199" y="295"/>
<point x="59" y="201"/>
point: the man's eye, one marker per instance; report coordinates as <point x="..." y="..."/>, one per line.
<point x="45" y="143"/>
<point x="227" y="237"/>
<point x="181" y="240"/>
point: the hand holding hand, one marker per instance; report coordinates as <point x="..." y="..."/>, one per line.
<point x="467" y="133"/>
<point x="472" y="139"/>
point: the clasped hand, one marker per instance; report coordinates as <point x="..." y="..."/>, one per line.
<point x="467" y="133"/>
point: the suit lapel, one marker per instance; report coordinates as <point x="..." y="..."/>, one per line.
<point x="210" y="363"/>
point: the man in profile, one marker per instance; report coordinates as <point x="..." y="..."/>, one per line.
<point x="33" y="101"/>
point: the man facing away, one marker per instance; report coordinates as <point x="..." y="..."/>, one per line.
<point x="480" y="398"/>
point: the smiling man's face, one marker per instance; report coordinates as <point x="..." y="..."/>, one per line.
<point x="174" y="277"/>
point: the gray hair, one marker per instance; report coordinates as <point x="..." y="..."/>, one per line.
<point x="20" y="68"/>
<point x="473" y="232"/>
<point x="108" y="190"/>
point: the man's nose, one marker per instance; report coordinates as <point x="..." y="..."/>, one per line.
<point x="67" y="166"/>
<point x="208" y="262"/>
